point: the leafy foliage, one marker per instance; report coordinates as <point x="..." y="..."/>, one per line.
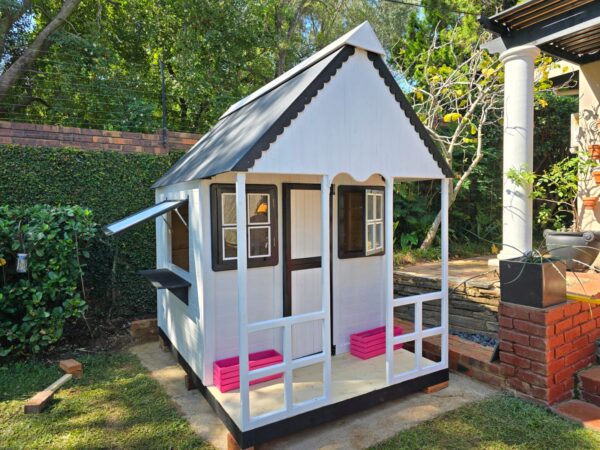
<point x="34" y="306"/>
<point x="110" y="184"/>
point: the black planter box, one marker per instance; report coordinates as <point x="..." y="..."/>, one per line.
<point x="534" y="284"/>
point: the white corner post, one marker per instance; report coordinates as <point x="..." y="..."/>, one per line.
<point x="389" y="278"/>
<point x="325" y="284"/>
<point x="444" y="299"/>
<point x="517" y="206"/>
<point x="242" y="290"/>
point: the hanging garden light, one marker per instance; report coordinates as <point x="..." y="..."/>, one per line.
<point x="22" y="262"/>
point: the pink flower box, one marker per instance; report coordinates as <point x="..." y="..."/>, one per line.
<point x="226" y="372"/>
<point x="370" y="343"/>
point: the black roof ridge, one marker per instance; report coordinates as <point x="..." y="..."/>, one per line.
<point x="410" y="113"/>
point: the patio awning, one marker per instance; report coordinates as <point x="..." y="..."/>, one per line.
<point x="142" y="216"/>
<point x="567" y="29"/>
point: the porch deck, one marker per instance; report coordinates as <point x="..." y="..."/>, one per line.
<point x="350" y="376"/>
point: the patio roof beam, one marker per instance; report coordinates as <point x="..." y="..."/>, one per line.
<point x="545" y="32"/>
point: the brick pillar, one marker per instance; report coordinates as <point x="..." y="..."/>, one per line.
<point x="542" y="349"/>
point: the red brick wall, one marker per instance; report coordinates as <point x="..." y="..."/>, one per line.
<point x="124" y="141"/>
<point x="541" y="350"/>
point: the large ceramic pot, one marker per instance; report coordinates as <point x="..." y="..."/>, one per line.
<point x="578" y="249"/>
<point x="533" y="283"/>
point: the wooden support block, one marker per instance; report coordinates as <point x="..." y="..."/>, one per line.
<point x="39" y="401"/>
<point x="72" y="367"/>
<point x="233" y="445"/>
<point x="189" y="382"/>
<point x="436" y="387"/>
<point x="162" y="343"/>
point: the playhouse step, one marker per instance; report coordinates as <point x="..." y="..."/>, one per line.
<point x="584" y="413"/>
<point x="590" y="385"/>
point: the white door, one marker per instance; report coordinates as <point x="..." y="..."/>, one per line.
<point x="302" y="268"/>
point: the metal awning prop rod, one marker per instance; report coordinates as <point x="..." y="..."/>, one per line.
<point x="143" y="216"/>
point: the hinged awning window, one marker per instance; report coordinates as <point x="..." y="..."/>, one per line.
<point x="142" y="216"/>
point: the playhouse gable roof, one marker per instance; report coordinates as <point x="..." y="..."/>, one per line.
<point x="250" y="126"/>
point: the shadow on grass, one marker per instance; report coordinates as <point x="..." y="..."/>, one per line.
<point x="501" y="422"/>
<point x="115" y="405"/>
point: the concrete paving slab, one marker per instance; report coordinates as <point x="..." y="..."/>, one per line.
<point x="356" y="431"/>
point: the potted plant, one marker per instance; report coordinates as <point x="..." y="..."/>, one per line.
<point x="557" y="192"/>
<point x="533" y="280"/>
<point x="596" y="175"/>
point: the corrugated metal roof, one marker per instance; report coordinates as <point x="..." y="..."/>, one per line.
<point x="535" y="11"/>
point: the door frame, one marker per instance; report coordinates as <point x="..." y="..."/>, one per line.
<point x="289" y="264"/>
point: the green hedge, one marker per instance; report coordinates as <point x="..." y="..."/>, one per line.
<point x="112" y="185"/>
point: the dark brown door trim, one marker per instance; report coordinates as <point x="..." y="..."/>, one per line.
<point x="290" y="264"/>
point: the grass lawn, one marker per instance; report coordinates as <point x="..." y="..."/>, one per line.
<point x="115" y="405"/>
<point x="502" y="422"/>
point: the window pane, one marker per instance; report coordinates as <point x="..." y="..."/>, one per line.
<point x="228" y="208"/>
<point x="379" y="235"/>
<point x="353" y="226"/>
<point x="258" y="208"/>
<point x="370" y="236"/>
<point x="259" y="242"/>
<point x="379" y="206"/>
<point x="229" y="243"/>
<point x="370" y="206"/>
<point x="180" y="238"/>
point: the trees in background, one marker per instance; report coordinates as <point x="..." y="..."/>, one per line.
<point x="100" y="69"/>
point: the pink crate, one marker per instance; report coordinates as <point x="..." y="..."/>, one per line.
<point x="226" y="372"/>
<point x="370" y="343"/>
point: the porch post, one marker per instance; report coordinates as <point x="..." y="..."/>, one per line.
<point x="242" y="287"/>
<point x="444" y="299"/>
<point x="517" y="208"/>
<point x="389" y="277"/>
<point x="325" y="285"/>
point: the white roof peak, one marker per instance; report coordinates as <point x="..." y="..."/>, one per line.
<point x="363" y="37"/>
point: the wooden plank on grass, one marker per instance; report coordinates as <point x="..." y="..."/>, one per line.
<point x="39" y="401"/>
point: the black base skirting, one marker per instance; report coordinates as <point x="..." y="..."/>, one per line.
<point x="310" y="418"/>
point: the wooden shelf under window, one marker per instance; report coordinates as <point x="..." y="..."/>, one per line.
<point x="165" y="279"/>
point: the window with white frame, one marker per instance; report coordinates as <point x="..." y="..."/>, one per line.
<point x="261" y="226"/>
<point x="360" y="221"/>
<point x="374" y="222"/>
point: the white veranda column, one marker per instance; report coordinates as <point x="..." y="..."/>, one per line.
<point x="242" y="288"/>
<point x="325" y="284"/>
<point x="517" y="208"/>
<point x="389" y="277"/>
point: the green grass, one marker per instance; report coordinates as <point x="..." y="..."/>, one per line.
<point x="115" y="405"/>
<point x="502" y="422"/>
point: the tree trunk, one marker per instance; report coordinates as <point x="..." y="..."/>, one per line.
<point x="16" y="70"/>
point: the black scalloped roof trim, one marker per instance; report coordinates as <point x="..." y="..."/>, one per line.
<point x="390" y="82"/>
<point x="297" y="106"/>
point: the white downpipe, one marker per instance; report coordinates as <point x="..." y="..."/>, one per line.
<point x="389" y="278"/>
<point x="325" y="285"/>
<point x="444" y="299"/>
<point x="242" y="295"/>
<point x="517" y="206"/>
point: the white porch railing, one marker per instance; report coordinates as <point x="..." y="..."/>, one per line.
<point x="289" y="364"/>
<point x="417" y="300"/>
<point x="290" y="408"/>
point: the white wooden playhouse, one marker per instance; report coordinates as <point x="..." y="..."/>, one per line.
<point x="274" y="238"/>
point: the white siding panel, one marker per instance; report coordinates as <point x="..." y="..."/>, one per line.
<point x="354" y="125"/>
<point x="358" y="284"/>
